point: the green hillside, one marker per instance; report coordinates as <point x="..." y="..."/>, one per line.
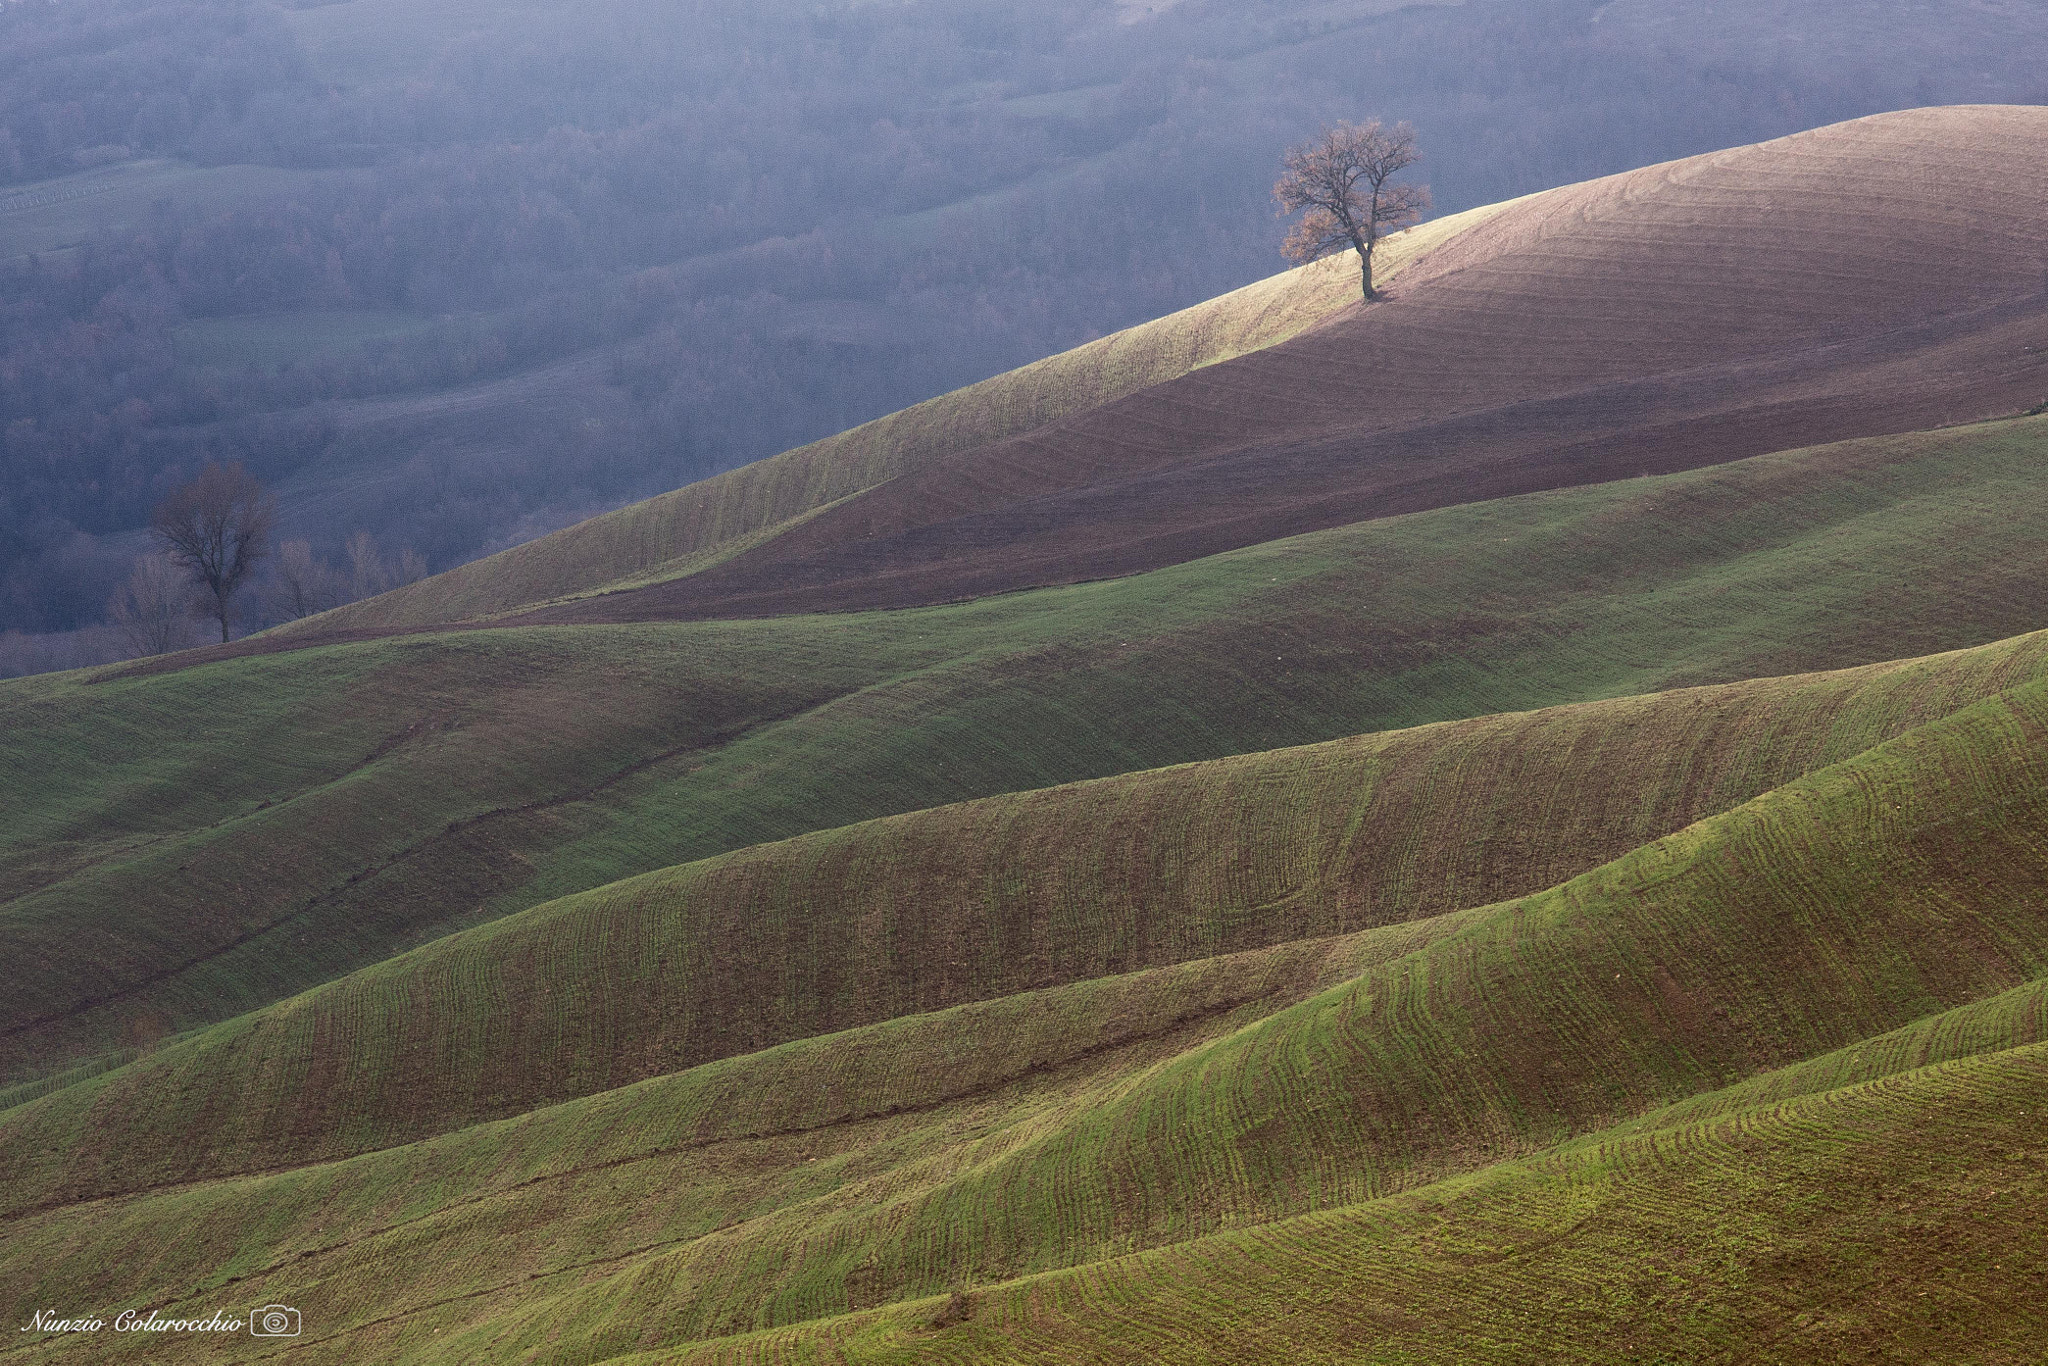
<point x="980" y="901"/>
<point x="1829" y="922"/>
<point x="1899" y="1222"/>
<point x="1607" y="924"/>
<point x="290" y="817"/>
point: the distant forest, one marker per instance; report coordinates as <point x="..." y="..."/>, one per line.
<point x="534" y="260"/>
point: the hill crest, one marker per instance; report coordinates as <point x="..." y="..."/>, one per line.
<point x="1884" y="275"/>
<point x="699" y="526"/>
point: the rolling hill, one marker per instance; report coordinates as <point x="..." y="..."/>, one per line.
<point x="695" y="527"/>
<point x="722" y="956"/>
<point x="1505" y="825"/>
<point x="298" y="814"/>
<point x="1879" y="276"/>
<point x="1118" y="1114"/>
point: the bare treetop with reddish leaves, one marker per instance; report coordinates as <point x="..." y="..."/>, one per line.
<point x="1343" y="179"/>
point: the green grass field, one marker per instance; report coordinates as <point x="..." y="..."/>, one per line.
<point x="1894" y="1222"/>
<point x="1811" y="948"/>
<point x="1606" y="925"/>
<point x="349" y="800"/>
<point x="982" y="900"/>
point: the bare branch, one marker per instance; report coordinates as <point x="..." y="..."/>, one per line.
<point x="368" y="574"/>
<point x="1341" y="179"/>
<point x="216" y="528"/>
<point x="304" y="585"/>
<point x="153" y="609"/>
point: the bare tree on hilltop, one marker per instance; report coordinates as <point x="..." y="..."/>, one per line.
<point x="216" y="528"/>
<point x="1341" y="178"/>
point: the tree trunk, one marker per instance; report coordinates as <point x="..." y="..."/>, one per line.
<point x="1365" y="272"/>
<point x="223" y="614"/>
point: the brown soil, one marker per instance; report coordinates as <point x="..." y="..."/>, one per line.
<point x="1884" y="275"/>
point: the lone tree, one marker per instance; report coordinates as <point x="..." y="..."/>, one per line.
<point x="1341" y="178"/>
<point x="216" y="528"/>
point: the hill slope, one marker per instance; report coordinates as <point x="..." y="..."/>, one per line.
<point x="1884" y="275"/>
<point x="1448" y="893"/>
<point x="729" y="954"/>
<point x="1897" y="1222"/>
<point x="692" y="528"/>
<point x="1878" y="276"/>
<point x="1138" y="1112"/>
<point x="291" y="817"/>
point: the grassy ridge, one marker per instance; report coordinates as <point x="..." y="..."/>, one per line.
<point x="1903" y="1221"/>
<point x="1816" y="915"/>
<point x="839" y="1171"/>
<point x="1865" y="551"/>
<point x="978" y="901"/>
<point x="741" y="1136"/>
<point x="581" y="755"/>
<point x="2007" y="1020"/>
<point x="1909" y="880"/>
<point x="682" y="531"/>
<point x="174" y="869"/>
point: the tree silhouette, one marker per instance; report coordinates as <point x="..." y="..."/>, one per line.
<point x="217" y="527"/>
<point x="1341" y="178"/>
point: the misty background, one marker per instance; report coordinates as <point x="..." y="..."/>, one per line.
<point x="449" y="275"/>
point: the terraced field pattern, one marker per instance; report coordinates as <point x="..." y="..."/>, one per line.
<point x="1508" y="824"/>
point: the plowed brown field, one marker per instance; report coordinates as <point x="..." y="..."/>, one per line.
<point x="1883" y="275"/>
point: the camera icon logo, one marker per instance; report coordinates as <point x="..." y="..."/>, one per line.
<point x="274" y="1321"/>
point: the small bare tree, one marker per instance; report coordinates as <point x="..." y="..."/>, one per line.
<point x="217" y="527"/>
<point x="152" y="610"/>
<point x="368" y="575"/>
<point x="303" y="583"/>
<point x="1341" y="177"/>
<point x="412" y="567"/>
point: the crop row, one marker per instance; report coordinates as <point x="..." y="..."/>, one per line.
<point x="1071" y="1127"/>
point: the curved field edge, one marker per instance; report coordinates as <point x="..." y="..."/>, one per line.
<point x="692" y="528"/>
<point x="1537" y="349"/>
<point x="237" y="854"/>
<point x="863" y="1100"/>
<point x="1864" y="899"/>
<point x="314" y="1235"/>
<point x="1898" y="1221"/>
<point x="1902" y="883"/>
<point x="242" y="833"/>
<point x="973" y="902"/>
